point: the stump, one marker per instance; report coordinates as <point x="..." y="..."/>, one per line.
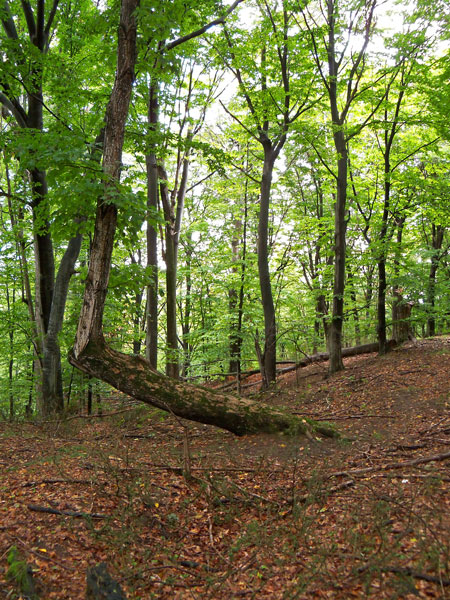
<point x="101" y="586"/>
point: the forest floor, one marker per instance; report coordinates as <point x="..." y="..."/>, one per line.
<point x="260" y="517"/>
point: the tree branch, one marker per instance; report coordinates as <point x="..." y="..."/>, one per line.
<point x="202" y="30"/>
<point x="29" y="17"/>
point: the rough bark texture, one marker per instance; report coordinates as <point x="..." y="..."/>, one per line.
<point x="401" y="313"/>
<point x="90" y="323"/>
<point x="340" y="225"/>
<point x="173" y="206"/>
<point x="51" y="360"/>
<point x="50" y="295"/>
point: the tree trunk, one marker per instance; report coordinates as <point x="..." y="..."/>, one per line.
<point x="235" y="336"/>
<point x="401" y="310"/>
<point x="133" y="376"/>
<point x="91" y="318"/>
<point x="173" y="205"/>
<point x="51" y="360"/>
<point x="151" y="339"/>
<point x="269" y="355"/>
<point x="340" y="227"/>
<point x="437" y="239"/>
<point x="401" y="313"/>
<point x="351" y="285"/>
<point x="186" y="318"/>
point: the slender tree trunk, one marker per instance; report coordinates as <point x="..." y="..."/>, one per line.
<point x="382" y="283"/>
<point x="233" y="299"/>
<point x="437" y="239"/>
<point x="89" y="396"/>
<point x="10" y="306"/>
<point x="236" y="338"/>
<point x="340" y="227"/>
<point x="151" y="340"/>
<point x="269" y="355"/>
<point x="173" y="213"/>
<point x="186" y="320"/>
<point x="172" y="360"/>
<point x="52" y="379"/>
<point x="137" y="317"/>
<point x="401" y="310"/>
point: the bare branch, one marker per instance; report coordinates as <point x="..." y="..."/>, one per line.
<point x="204" y="29"/>
<point x="415" y="151"/>
<point x="51" y="18"/>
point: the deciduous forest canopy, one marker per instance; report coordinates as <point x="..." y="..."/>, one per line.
<point x="216" y="187"/>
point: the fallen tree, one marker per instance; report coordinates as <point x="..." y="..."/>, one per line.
<point x="314" y="358"/>
<point x="346" y="352"/>
<point x="132" y="374"/>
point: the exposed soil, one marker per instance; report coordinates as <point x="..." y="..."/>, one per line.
<point x="179" y="510"/>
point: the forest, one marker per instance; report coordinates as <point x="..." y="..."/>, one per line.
<point x="282" y="187"/>
<point x="203" y="201"/>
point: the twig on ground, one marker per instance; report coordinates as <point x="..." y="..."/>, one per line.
<point x="410" y="573"/>
<point x="50" y="481"/>
<point x="400" y="465"/>
<point x="332" y="490"/>
<point x="417" y="575"/>
<point x="67" y="513"/>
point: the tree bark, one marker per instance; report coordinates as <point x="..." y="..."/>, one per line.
<point x="437" y="233"/>
<point x="173" y="205"/>
<point x="50" y="294"/>
<point x="91" y="318"/>
<point x="340" y="227"/>
<point x="269" y="355"/>
<point x="51" y="360"/>
<point x="151" y="339"/>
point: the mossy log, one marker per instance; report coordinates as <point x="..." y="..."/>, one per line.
<point x="134" y="376"/>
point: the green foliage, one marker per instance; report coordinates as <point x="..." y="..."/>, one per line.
<point x="20" y="573"/>
<point x="217" y="255"/>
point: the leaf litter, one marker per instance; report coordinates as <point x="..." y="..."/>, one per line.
<point x="180" y="510"/>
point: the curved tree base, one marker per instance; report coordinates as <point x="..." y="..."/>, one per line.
<point x="134" y="376"/>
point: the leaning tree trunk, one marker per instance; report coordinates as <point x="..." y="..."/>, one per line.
<point x="133" y="374"/>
